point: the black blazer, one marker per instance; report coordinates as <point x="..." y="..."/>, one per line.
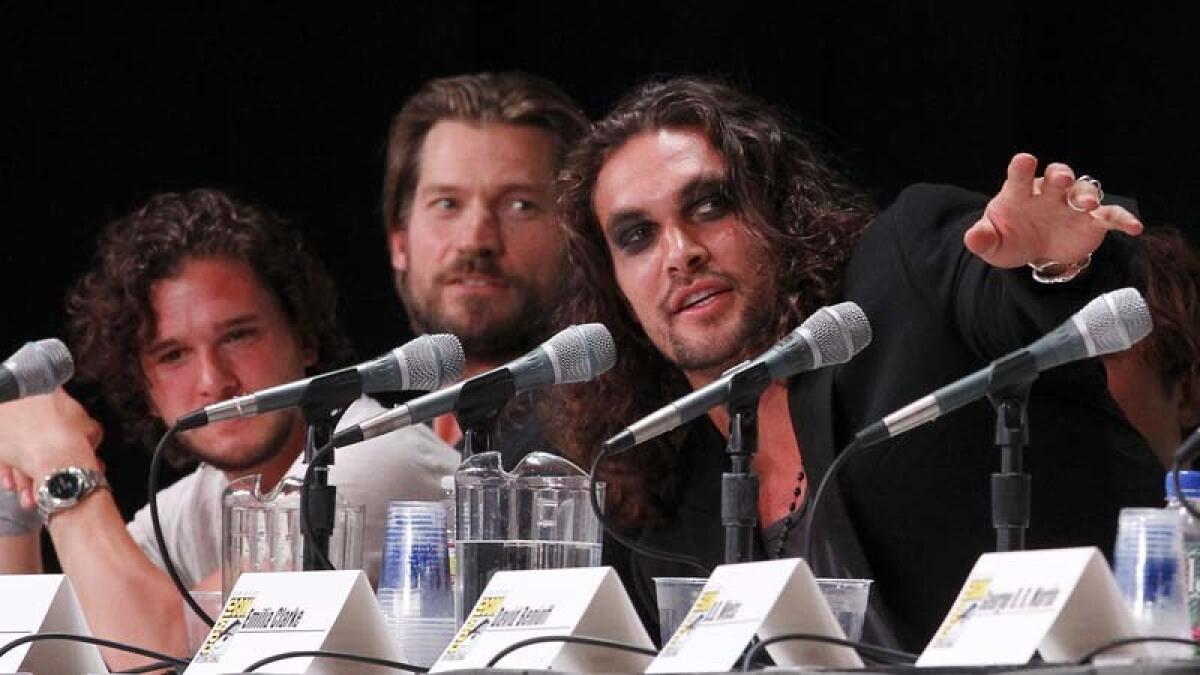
<point x="914" y="513"/>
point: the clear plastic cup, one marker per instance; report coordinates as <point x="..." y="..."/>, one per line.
<point x="416" y="594"/>
<point x="675" y="597"/>
<point x="1148" y="563"/>
<point x="847" y="599"/>
<point x="197" y="630"/>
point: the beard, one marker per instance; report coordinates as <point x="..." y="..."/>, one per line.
<point x="488" y="331"/>
<point x="279" y="431"/>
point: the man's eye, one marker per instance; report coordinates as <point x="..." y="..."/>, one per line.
<point x="634" y="237"/>
<point x="170" y="356"/>
<point x="710" y="208"/>
<point x="444" y="204"/>
<point x="240" y="334"/>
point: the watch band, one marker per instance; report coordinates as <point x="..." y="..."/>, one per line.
<point x="65" y="488"/>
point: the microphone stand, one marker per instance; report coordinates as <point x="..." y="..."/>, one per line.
<point x="739" y="487"/>
<point x="319" y="498"/>
<point x="1012" y="378"/>
<point x="480" y="403"/>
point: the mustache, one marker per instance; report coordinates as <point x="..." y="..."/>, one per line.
<point x="472" y="264"/>
<point x="683" y="282"/>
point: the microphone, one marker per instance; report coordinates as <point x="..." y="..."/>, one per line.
<point x="829" y="336"/>
<point x="576" y="354"/>
<point x="421" y="364"/>
<point x="1109" y="323"/>
<point x="35" y="368"/>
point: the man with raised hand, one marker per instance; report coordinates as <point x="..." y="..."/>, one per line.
<point x="702" y="227"/>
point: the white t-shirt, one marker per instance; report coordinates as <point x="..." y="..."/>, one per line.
<point x="406" y="464"/>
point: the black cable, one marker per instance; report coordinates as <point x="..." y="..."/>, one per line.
<point x="874" y="651"/>
<point x="306" y="527"/>
<point x="397" y="665"/>
<point x="593" y="493"/>
<point x="590" y="641"/>
<point x="152" y="491"/>
<point x="100" y="642"/>
<point x="153" y="667"/>
<point x="816" y="501"/>
<point x="1109" y="646"/>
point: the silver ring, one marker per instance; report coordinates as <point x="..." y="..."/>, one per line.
<point x="1094" y="183"/>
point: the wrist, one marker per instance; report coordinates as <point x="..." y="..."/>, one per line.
<point x="1055" y="272"/>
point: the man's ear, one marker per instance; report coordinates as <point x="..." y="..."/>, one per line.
<point x="398" y="248"/>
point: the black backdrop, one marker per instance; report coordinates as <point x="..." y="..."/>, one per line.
<point x="105" y="104"/>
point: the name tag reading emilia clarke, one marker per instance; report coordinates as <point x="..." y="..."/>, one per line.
<point x="295" y="611"/>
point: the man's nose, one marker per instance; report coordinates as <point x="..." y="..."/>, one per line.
<point x="480" y="230"/>
<point x="684" y="251"/>
<point x="218" y="378"/>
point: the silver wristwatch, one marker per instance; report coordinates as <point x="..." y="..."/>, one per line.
<point x="65" y="488"/>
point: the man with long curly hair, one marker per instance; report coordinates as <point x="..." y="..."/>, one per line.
<point x="192" y="299"/>
<point x="702" y="226"/>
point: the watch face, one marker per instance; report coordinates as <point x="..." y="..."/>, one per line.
<point x="63" y="485"/>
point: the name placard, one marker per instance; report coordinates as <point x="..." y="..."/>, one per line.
<point x="271" y="613"/>
<point x="1061" y="602"/>
<point x="44" y="603"/>
<point x="769" y="599"/>
<point x="587" y="601"/>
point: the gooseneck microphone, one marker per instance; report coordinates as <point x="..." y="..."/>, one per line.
<point x="1111" y="322"/>
<point x="422" y="364"/>
<point x="576" y="354"/>
<point x="35" y="368"/>
<point x="829" y="336"/>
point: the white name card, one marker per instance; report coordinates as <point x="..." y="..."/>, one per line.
<point x="1061" y="602"/>
<point x="271" y="613"/>
<point x="768" y="598"/>
<point x="44" y="603"/>
<point x="587" y="601"/>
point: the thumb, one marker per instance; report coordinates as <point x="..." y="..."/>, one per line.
<point x="982" y="239"/>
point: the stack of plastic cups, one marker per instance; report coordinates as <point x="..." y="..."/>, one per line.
<point x="415" y="591"/>
<point x="1149" y="571"/>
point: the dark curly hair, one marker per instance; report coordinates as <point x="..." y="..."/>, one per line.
<point x="804" y="212"/>
<point x="109" y="310"/>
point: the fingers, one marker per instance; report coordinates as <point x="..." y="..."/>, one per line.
<point x="1019" y="180"/>
<point x="1058" y="180"/>
<point x="24" y="487"/>
<point x="982" y="239"/>
<point x="1084" y="195"/>
<point x="1113" y="217"/>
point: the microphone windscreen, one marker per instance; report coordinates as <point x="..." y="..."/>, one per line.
<point x="840" y="331"/>
<point x="39" y="367"/>
<point x="1114" y="321"/>
<point x="432" y="361"/>
<point x="581" y="353"/>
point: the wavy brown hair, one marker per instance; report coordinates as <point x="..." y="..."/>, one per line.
<point x="804" y="212"/>
<point x="482" y="98"/>
<point x="1170" y="270"/>
<point x="109" y="310"/>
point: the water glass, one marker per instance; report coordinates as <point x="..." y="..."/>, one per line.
<point x="1149" y="569"/>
